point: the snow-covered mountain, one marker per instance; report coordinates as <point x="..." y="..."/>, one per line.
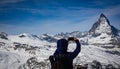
<point x="47" y="37"/>
<point x="28" y="51"/>
<point x="101" y="26"/>
<point x="77" y="34"/>
<point x="26" y="39"/>
<point x="103" y="33"/>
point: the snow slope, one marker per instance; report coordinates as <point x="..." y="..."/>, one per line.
<point x="102" y="39"/>
<point x="27" y="39"/>
<point x="15" y="59"/>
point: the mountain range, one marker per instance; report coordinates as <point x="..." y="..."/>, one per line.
<point x="101" y="33"/>
<point x="29" y="51"/>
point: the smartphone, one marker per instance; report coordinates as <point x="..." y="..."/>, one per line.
<point x="71" y="38"/>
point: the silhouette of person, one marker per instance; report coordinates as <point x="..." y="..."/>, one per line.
<point x="62" y="46"/>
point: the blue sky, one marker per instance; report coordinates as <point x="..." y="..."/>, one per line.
<point x="55" y="16"/>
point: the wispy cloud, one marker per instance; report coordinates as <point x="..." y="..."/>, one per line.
<point x="112" y="10"/>
<point x="64" y="13"/>
<point x="57" y="19"/>
<point x="65" y="20"/>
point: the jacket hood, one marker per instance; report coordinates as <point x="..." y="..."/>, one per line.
<point x="62" y="45"/>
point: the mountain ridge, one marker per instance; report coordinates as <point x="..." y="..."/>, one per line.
<point x="100" y="33"/>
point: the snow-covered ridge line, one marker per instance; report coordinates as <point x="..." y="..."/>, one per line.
<point x="101" y="33"/>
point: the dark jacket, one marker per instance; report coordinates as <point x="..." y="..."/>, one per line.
<point x="62" y="45"/>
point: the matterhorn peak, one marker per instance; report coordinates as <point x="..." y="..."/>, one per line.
<point x="102" y="15"/>
<point x="103" y="19"/>
<point x="101" y="26"/>
<point x="103" y="31"/>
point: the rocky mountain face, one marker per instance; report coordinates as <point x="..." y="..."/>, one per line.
<point x="101" y="26"/>
<point x="47" y="37"/>
<point x="3" y="35"/>
<point x="103" y="33"/>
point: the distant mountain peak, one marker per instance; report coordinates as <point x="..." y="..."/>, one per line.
<point x="103" y="31"/>
<point x="103" y="19"/>
<point x="102" y="15"/>
<point x="23" y="35"/>
<point x="101" y="26"/>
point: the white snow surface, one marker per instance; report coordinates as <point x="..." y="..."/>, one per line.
<point x="12" y="59"/>
<point x="102" y="39"/>
<point x="27" y="40"/>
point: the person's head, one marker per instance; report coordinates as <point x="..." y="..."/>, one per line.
<point x="62" y="45"/>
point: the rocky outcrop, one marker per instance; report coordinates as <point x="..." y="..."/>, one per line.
<point x="95" y="65"/>
<point x="32" y="63"/>
<point x="3" y="35"/>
